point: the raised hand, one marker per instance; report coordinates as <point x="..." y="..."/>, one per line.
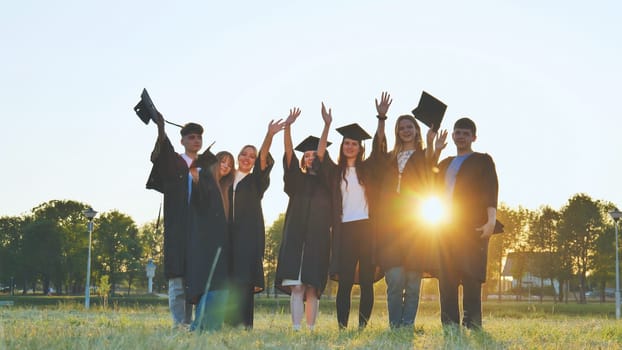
<point x="441" y="140"/>
<point x="383" y="107"/>
<point x="327" y="116"/>
<point x="293" y="114"/>
<point x="275" y="127"/>
<point x="429" y="137"/>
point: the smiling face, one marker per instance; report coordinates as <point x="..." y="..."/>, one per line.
<point x="350" y="148"/>
<point x="246" y="159"/>
<point x="407" y="134"/>
<point x="406" y="131"/>
<point x="308" y="158"/>
<point x="225" y="165"/>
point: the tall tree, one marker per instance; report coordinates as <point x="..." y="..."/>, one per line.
<point x="581" y="224"/>
<point x="68" y="216"/>
<point x="497" y="249"/>
<point x="542" y="239"/>
<point x="116" y="245"/>
<point x="11" y="235"/>
<point x="41" y="252"/>
<point x="603" y="263"/>
<point x="152" y="242"/>
<point x="274" y="236"/>
<point x="515" y="226"/>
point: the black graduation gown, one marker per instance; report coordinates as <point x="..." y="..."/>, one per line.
<point x="475" y="190"/>
<point x="306" y="230"/>
<point x="403" y="239"/>
<point x="169" y="175"/>
<point x="208" y="231"/>
<point x="248" y="235"/>
<point x="330" y="171"/>
<point x="398" y="210"/>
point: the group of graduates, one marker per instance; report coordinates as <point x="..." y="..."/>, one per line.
<point x="354" y="221"/>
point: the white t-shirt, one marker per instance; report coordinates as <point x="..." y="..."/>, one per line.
<point x="238" y="177"/>
<point x="353" y="199"/>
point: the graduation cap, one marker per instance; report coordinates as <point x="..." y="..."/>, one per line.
<point x="430" y="110"/>
<point x="354" y="132"/>
<point x="146" y="110"/>
<point x="311" y="143"/>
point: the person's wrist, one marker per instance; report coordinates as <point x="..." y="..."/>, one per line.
<point x="381" y="117"/>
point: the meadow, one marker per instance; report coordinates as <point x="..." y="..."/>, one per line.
<point x="146" y="325"/>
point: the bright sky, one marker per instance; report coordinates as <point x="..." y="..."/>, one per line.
<point x="541" y="80"/>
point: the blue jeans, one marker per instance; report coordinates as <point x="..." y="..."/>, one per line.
<point x="402" y="296"/>
<point x="181" y="310"/>
<point x="210" y="311"/>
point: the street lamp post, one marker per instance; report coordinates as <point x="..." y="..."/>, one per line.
<point x="615" y="215"/>
<point x="90" y="214"/>
<point x="151" y="267"/>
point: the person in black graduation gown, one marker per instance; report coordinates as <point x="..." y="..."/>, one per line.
<point x="302" y="268"/>
<point x="405" y="249"/>
<point x="171" y="175"/>
<point x="469" y="182"/>
<point x="353" y="188"/>
<point x="208" y="244"/>
<point x="247" y="231"/>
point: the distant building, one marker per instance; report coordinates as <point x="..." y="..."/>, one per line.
<point x="530" y="269"/>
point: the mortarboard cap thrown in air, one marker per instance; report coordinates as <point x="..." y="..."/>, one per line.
<point x="146" y="110"/>
<point x="430" y="110"/>
<point x="354" y="132"/>
<point x="311" y="143"/>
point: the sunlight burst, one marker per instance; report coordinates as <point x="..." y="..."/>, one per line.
<point x="432" y="210"/>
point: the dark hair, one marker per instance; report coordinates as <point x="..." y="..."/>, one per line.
<point x="399" y="146"/>
<point x="303" y="163"/>
<point x="225" y="181"/>
<point x="191" y="128"/>
<point x="465" y="123"/>
<point x="343" y="163"/>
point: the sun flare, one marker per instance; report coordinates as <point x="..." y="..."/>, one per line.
<point x="432" y="210"/>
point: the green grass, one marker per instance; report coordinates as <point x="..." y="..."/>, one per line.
<point x="508" y="325"/>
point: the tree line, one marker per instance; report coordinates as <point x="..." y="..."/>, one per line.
<point x="574" y="245"/>
<point x="49" y="247"/>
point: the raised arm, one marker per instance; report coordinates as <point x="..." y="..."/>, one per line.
<point x="287" y="134"/>
<point x="435" y="143"/>
<point x="160" y="123"/>
<point x="328" y="118"/>
<point x="273" y="129"/>
<point x="161" y="137"/>
<point x="382" y="108"/>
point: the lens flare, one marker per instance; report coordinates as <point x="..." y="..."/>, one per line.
<point x="432" y="210"/>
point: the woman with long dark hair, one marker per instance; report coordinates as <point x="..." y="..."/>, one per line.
<point x="208" y="246"/>
<point x="353" y="182"/>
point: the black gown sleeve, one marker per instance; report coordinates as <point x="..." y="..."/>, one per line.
<point x="161" y="157"/>
<point x="291" y="175"/>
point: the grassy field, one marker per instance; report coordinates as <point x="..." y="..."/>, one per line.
<point x="508" y="325"/>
